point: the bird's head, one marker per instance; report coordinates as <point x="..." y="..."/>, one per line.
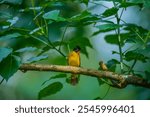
<point x="77" y="49"/>
<point x="101" y="62"/>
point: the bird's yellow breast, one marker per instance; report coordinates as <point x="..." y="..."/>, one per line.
<point x="74" y="59"/>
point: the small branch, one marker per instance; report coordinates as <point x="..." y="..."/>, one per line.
<point x="123" y="80"/>
<point x="50" y="44"/>
<point x="2" y="81"/>
<point x="119" y="37"/>
<point x="131" y="68"/>
<point x="121" y="13"/>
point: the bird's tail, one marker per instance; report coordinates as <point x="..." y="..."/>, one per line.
<point x="74" y="79"/>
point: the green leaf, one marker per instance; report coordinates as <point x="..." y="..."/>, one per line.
<point x="26" y="49"/>
<point x="82" y="42"/>
<point x="83" y="15"/>
<point x="36" y="30"/>
<point x="4" y="23"/>
<point x="13" y="20"/>
<point x="85" y="1"/>
<point x="147" y="75"/>
<point x="145" y="50"/>
<point x="98" y="98"/>
<point x="55" y="77"/>
<point x="5" y="14"/>
<point x="10" y="36"/>
<point x="57" y="43"/>
<point x="50" y="22"/>
<point x="52" y="4"/>
<point x="127" y="4"/>
<point x="43" y="50"/>
<point x="146" y="3"/>
<point x="113" y="38"/>
<point x="111" y="64"/>
<point x="100" y="1"/>
<point x="13" y="1"/>
<point x="106" y="28"/>
<point x="110" y="12"/>
<point x="29" y="9"/>
<point x="84" y="18"/>
<point x="51" y="15"/>
<point x="50" y="90"/>
<point x="115" y="52"/>
<point x="38" y="58"/>
<point x="130" y="40"/>
<point x="134" y="55"/>
<point x="136" y="32"/>
<point x="137" y="1"/>
<point x="100" y="82"/>
<point x="4" y="52"/>
<point x="130" y="27"/>
<point x="138" y="42"/>
<point x="59" y="76"/>
<point x="9" y="66"/>
<point x="59" y="19"/>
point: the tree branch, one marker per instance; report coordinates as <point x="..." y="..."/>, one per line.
<point x="123" y="80"/>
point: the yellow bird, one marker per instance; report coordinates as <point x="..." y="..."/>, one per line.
<point x="74" y="60"/>
<point x="103" y="66"/>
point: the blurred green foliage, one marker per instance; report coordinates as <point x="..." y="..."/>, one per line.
<point x="44" y="31"/>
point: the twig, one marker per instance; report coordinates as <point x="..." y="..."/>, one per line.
<point x="106" y="92"/>
<point x="131" y="68"/>
<point x="121" y="13"/>
<point x="2" y="81"/>
<point x="124" y="80"/>
<point x="119" y="37"/>
<point x="48" y="44"/>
